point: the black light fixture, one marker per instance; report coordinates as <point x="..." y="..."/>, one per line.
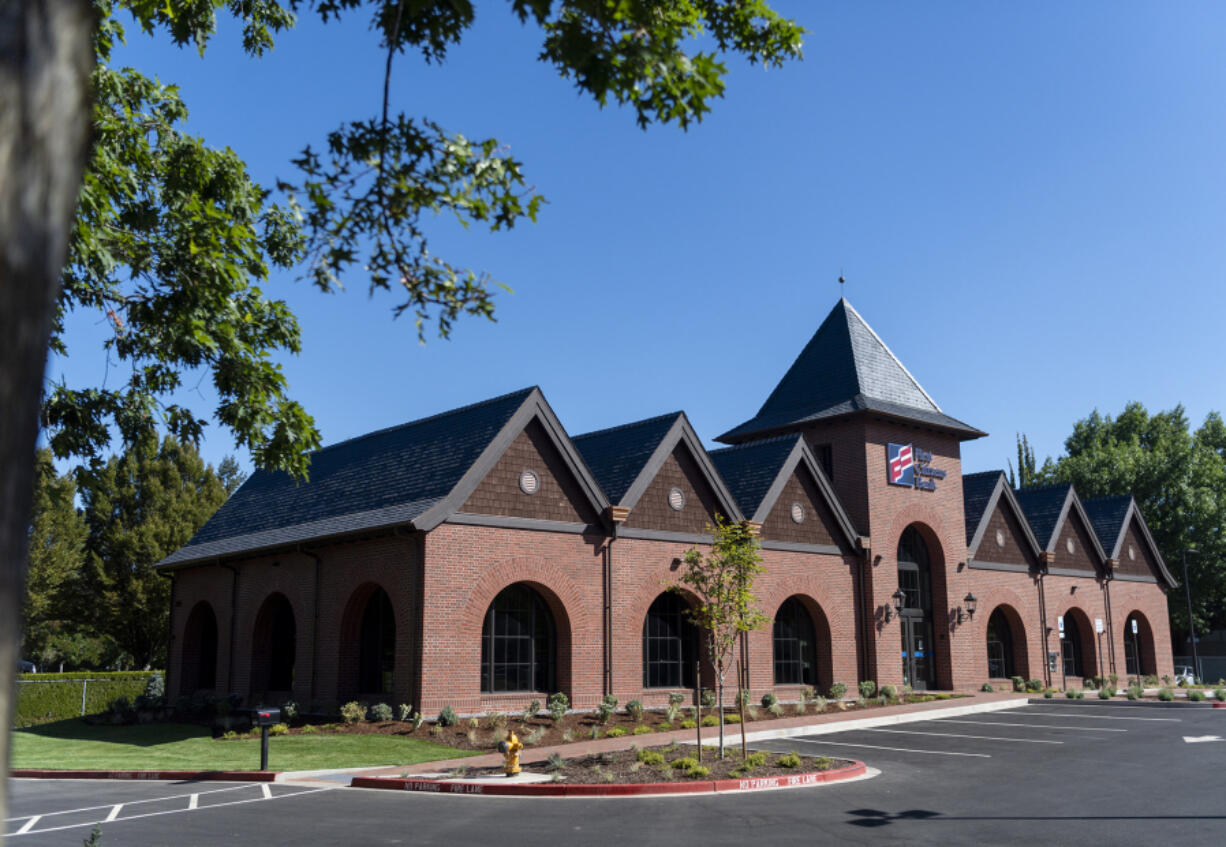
<point x="968" y="603"/>
<point x="900" y="602"/>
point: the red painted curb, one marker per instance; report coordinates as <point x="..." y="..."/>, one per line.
<point x="638" y="789"/>
<point x="1219" y="705"/>
<point x="225" y="776"/>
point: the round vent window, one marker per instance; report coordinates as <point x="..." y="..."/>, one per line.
<point x="1132" y="552"/>
<point x="798" y="513"/>
<point x="1068" y="545"/>
<point x="676" y="499"/>
<point x="1000" y="538"/>
<point x="529" y="483"/>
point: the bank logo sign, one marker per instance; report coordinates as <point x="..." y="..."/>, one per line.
<point x="902" y="466"/>
<point x="911" y="467"/>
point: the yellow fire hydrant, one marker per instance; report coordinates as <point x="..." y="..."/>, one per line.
<point x="510" y="750"/>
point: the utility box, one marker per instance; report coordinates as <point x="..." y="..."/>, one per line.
<point x="267" y="717"/>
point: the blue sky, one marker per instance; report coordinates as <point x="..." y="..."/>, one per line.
<point x="1027" y="201"/>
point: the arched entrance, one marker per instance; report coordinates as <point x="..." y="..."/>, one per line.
<point x="273" y="647"/>
<point x="915" y="582"/>
<point x="1077" y="645"/>
<point x="367" y="655"/>
<point x="670" y="644"/>
<point x="198" y="664"/>
<point x="1006" y="644"/>
<point x="519" y="645"/>
<point x="1139" y="658"/>
<point x="801" y="644"/>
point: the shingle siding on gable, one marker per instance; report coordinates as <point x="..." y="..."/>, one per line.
<point x="558" y="498"/>
<point x="1144" y="565"/>
<point x="652" y="510"/>
<point x="1015" y="551"/>
<point x="819" y="526"/>
<point x="1084" y="558"/>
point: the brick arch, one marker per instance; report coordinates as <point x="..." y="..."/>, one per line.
<point x="349" y="650"/>
<point x="1017" y="632"/>
<point x="1145" y="636"/>
<point x="276" y="646"/>
<point x="927" y="521"/>
<point x="823" y="648"/>
<point x="198" y="660"/>
<point x="638" y="620"/>
<point x="1087" y="645"/>
<point x="562" y="596"/>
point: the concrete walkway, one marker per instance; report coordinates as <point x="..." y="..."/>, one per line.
<point x="832" y="720"/>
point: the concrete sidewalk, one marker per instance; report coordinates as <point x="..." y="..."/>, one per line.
<point x="832" y="720"/>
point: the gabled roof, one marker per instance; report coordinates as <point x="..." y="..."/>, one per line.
<point x="412" y="475"/>
<point x="844" y="369"/>
<point x="757" y="472"/>
<point x="617" y="455"/>
<point x="646" y="450"/>
<point x="1111" y="516"/>
<point x="1047" y="508"/>
<point x="981" y="494"/>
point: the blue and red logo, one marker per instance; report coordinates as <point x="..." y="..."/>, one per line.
<point x="901" y="463"/>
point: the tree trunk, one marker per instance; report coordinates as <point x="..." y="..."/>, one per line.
<point x="720" y="704"/>
<point x="45" y="62"/>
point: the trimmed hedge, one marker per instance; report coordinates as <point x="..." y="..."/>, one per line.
<point x="46" y="697"/>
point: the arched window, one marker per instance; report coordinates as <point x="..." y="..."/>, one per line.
<point x="670" y="644"/>
<point x="518" y="643"/>
<point x="1137" y="665"/>
<point x="199" y="658"/>
<point x="1070" y="644"/>
<point x="914" y="571"/>
<point x="1000" y="646"/>
<point x="377" y="645"/>
<point x="273" y="647"/>
<point x="795" y="645"/>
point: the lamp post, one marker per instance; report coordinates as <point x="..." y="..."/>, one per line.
<point x="1187" y="591"/>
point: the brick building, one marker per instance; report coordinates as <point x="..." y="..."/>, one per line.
<point x="483" y="556"/>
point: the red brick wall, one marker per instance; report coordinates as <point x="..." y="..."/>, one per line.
<point x="1148" y="600"/>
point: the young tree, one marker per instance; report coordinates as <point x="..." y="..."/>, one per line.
<point x="723" y="581"/>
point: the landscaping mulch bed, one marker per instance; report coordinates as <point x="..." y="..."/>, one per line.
<point x="484" y="732"/>
<point x="673" y="763"/>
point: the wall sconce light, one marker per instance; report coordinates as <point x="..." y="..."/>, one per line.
<point x="969" y="602"/>
<point x="900" y="602"/>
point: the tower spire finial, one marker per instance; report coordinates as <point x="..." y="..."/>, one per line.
<point x="842" y="281"/>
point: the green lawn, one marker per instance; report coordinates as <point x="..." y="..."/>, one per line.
<point x="75" y="744"/>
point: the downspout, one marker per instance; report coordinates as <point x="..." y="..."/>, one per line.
<point x="1043" y="560"/>
<point x="862" y="617"/>
<point x="315" y="621"/>
<point x="170" y="633"/>
<point x="617" y="516"/>
<point x="233" y="623"/>
<point x="1111" y="619"/>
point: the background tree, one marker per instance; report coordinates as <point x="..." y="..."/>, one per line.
<point x="1179" y="479"/>
<point x="1028" y="473"/>
<point x="723" y="580"/>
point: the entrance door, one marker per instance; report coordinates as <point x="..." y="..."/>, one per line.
<point x="917" y="665"/>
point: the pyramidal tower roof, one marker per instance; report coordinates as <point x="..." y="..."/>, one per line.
<point x="844" y="369"/>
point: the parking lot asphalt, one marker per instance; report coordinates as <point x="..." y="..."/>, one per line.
<point x="1052" y="772"/>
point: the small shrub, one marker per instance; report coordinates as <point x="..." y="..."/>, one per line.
<point x="788" y="760"/>
<point x="676" y="698"/>
<point x="1166" y="679"/>
<point x="1220" y="695"/>
<point x="534" y="737"/>
<point x="1165" y="694"/>
<point x="1048" y="694"/>
<point x="532" y="710"/>
<point x="404" y="712"/>
<point x="496" y="720"/>
<point x="776" y="710"/>
<point x="635" y="709"/>
<point x="1106" y="693"/>
<point x="802" y="706"/>
<point x="707" y="698"/>
<point x="595" y="733"/>
<point x="769" y="699"/>
<point x="279" y="729"/>
<point x="838" y="691"/>
<point x="685" y="763"/>
<point x="651" y="757"/>
<point x="380" y="712"/>
<point x="418" y="720"/>
<point x="354" y="712"/>
<point x="664" y="727"/>
<point x="556" y="761"/>
<point x="867" y="688"/>
<point x="987" y="688"/>
<point x="616" y="732"/>
<point x="732" y="717"/>
<point x="1071" y="694"/>
<point x="559" y="705"/>
<point x="568" y="735"/>
<point x="155" y="688"/>
<point x="743" y="697"/>
<point x="698" y="772"/>
<point x="755" y="760"/>
<point x="819" y="703"/>
<point x="310" y="729"/>
<point x="1034" y="685"/>
<point x="229" y="735"/>
<point x="1115" y="679"/>
<point x="643" y="729"/>
<point x="1081" y="695"/>
<point x="689" y="723"/>
<point x="1134" y="692"/>
<point x="436" y="730"/>
<point x="289" y="710"/>
<point x="606" y="708"/>
<point x="446" y="716"/>
<point x="710" y="720"/>
<point x="1196" y="695"/>
<point x="889" y="692"/>
<point x="1019" y="684"/>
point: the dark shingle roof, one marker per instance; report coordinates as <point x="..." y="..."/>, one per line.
<point x="845" y="368"/>
<point x="977" y="489"/>
<point x="384" y="478"/>
<point x="1042" y="507"/>
<point x="1107" y="517"/>
<point x="750" y="469"/>
<point x="617" y="455"/>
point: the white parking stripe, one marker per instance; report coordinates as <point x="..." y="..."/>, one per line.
<point x="956" y="735"/>
<point x="896" y="749"/>
<point x="191" y="804"/>
<point x="29" y="825"/>
<point x="132" y="802"/>
<point x="1021" y="714"/>
<point x="267" y="791"/>
<point x="173" y="812"/>
<point x="114" y="813"/>
<point x="1032" y="725"/>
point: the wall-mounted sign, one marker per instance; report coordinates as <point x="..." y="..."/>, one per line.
<point x="911" y="467"/>
<point x="1060" y="624"/>
<point x="1098" y="625"/>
